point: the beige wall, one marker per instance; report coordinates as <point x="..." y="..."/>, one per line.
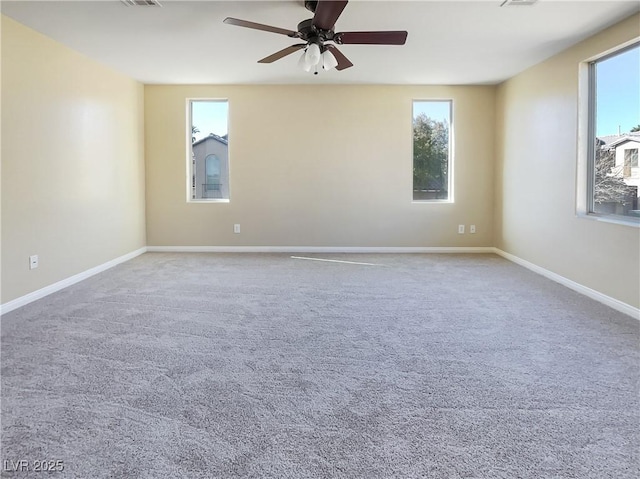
<point x="319" y="166"/>
<point x="72" y="162"/>
<point x="310" y="166"/>
<point x="536" y="137"/>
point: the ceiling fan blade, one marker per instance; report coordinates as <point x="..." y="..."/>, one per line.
<point x="343" y="62"/>
<point x="371" y="38"/>
<point x="283" y="53"/>
<point x="327" y="12"/>
<point x="260" y="26"/>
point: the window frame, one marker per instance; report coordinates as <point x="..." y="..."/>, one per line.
<point x="587" y="121"/>
<point x="450" y="153"/>
<point x="632" y="153"/>
<point x="189" y="151"/>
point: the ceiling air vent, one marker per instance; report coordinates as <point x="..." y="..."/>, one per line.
<point x="141" y="3"/>
<point x="510" y="3"/>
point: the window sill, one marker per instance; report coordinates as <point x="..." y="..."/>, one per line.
<point x="423" y="202"/>
<point x="216" y="200"/>
<point x="618" y="220"/>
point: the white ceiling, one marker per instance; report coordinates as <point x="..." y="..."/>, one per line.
<point x="449" y="42"/>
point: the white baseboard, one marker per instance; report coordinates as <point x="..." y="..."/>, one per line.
<point x="76" y="278"/>
<point x="591" y="293"/>
<point x="317" y="249"/>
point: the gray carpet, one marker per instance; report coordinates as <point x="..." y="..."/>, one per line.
<point x="216" y="365"/>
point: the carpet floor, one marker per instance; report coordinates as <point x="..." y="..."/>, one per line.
<point x="225" y="366"/>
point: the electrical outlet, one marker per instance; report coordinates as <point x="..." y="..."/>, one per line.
<point x="236" y="228"/>
<point x="33" y="261"/>
<point x="461" y="229"/>
<point x="472" y="229"/>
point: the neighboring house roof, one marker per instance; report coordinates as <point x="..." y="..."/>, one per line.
<point x="222" y="139"/>
<point x="612" y="141"/>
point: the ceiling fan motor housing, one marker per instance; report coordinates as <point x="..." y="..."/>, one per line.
<point x="306" y="29"/>
<point x="312" y="34"/>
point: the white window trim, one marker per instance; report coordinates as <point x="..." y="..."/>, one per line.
<point x="451" y="173"/>
<point x="188" y="171"/>
<point x="586" y="94"/>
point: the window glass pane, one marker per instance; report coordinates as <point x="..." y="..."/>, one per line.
<point x="616" y="184"/>
<point x="209" y="165"/>
<point x="212" y="175"/>
<point x="431" y="150"/>
<point x="631" y="157"/>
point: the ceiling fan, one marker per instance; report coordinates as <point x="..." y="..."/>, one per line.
<point x="317" y="32"/>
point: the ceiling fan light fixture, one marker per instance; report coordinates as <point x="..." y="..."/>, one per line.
<point x="302" y="63"/>
<point x="312" y="56"/>
<point x="328" y="60"/>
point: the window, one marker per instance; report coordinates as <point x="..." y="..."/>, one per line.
<point x="212" y="175"/>
<point x="432" y="173"/>
<point x="630" y="161"/>
<point x="614" y="135"/>
<point x="208" y="157"/>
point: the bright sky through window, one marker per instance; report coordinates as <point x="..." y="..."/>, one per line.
<point x="436" y="110"/>
<point x="617" y="93"/>
<point x="210" y="117"/>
